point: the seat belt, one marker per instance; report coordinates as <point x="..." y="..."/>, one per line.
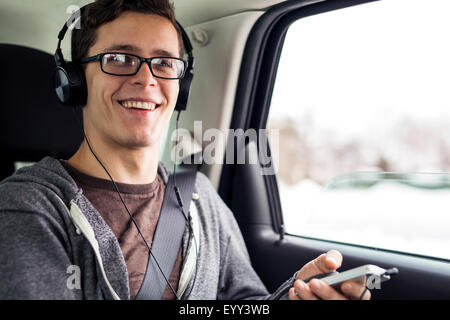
<point x="168" y="235"/>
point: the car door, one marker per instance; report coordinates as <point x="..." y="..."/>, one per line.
<point x="270" y="213"/>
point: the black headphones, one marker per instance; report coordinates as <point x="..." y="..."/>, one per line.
<point x="70" y="83"/>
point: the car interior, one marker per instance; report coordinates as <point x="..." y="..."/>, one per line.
<point x="239" y="47"/>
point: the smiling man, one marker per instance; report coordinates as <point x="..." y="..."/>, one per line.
<point x="64" y="230"/>
<point x="125" y="116"/>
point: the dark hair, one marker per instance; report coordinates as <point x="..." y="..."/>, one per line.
<point x="103" y="11"/>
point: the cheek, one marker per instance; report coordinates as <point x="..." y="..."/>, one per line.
<point x="110" y="86"/>
<point x="172" y="92"/>
<point x="101" y="87"/>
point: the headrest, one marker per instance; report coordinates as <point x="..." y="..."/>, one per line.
<point x="33" y="124"/>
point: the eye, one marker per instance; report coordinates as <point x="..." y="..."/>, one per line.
<point x="119" y="59"/>
<point x="165" y="62"/>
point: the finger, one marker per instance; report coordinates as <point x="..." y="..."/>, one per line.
<point x="353" y="290"/>
<point x="326" y="262"/>
<point x="367" y="295"/>
<point x="293" y="294"/>
<point x="304" y="291"/>
<point x="324" y="291"/>
<point x="333" y="260"/>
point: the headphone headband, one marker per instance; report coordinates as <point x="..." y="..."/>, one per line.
<point x="69" y="79"/>
<point x="77" y="14"/>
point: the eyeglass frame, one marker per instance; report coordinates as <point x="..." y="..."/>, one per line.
<point x="99" y="57"/>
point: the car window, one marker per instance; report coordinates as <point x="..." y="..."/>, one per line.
<point x="362" y="109"/>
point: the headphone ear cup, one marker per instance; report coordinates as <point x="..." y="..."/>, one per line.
<point x="70" y="84"/>
<point x="185" y="89"/>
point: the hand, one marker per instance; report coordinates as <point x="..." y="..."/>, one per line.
<point x="317" y="289"/>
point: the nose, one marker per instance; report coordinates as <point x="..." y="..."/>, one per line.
<point x="144" y="76"/>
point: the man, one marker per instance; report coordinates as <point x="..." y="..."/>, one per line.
<point x="64" y="232"/>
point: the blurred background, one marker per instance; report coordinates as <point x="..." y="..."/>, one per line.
<point x="361" y="91"/>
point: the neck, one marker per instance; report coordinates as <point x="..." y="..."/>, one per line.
<point x="137" y="166"/>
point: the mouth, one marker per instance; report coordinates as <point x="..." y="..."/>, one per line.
<point x="142" y="105"/>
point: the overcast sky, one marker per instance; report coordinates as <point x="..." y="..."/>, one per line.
<point x="370" y="63"/>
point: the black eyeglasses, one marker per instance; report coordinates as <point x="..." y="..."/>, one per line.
<point x="126" y="64"/>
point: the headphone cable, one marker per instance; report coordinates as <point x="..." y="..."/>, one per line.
<point x="132" y="218"/>
<point x="128" y="211"/>
<point x="180" y="203"/>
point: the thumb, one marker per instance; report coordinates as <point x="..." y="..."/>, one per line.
<point x="326" y="262"/>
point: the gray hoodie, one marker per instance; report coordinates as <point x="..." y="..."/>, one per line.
<point x="55" y="245"/>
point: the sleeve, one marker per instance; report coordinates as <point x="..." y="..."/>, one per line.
<point x="34" y="261"/>
<point x="238" y="279"/>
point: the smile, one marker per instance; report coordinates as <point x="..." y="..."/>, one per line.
<point x="139" y="105"/>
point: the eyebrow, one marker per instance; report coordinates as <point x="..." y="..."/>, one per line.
<point x="134" y="49"/>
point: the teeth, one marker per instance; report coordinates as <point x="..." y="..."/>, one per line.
<point x="139" y="105"/>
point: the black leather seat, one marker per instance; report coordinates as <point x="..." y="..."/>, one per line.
<point x="33" y="123"/>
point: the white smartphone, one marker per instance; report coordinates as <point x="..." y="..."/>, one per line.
<point x="376" y="274"/>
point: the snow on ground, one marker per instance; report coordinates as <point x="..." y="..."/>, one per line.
<point x="389" y="216"/>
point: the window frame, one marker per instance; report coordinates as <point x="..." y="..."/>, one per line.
<point x="256" y="83"/>
<point x="254" y="199"/>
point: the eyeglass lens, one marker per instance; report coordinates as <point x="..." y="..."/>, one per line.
<point x="125" y="64"/>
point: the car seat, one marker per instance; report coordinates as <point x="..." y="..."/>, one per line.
<point x="33" y="123"/>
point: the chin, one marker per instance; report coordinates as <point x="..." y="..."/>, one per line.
<point x="146" y="141"/>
